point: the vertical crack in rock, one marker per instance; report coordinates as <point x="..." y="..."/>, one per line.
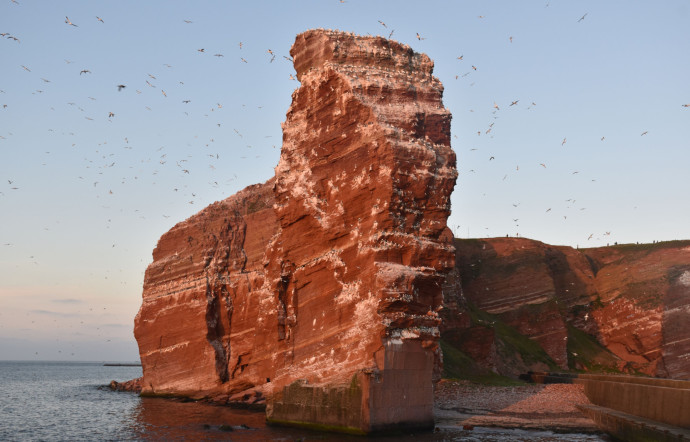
<point x="215" y="330"/>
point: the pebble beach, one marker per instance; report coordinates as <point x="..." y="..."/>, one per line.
<point x="550" y="407"/>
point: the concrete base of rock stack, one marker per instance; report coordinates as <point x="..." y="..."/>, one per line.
<point x="396" y="397"/>
<point x="318" y="292"/>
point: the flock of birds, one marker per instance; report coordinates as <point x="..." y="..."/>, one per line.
<point x="100" y="160"/>
<point x="148" y="82"/>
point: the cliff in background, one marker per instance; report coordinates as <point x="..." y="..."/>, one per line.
<point x="319" y="290"/>
<point x="515" y="304"/>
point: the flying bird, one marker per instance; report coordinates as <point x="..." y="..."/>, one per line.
<point x="563" y="142"/>
<point x="99" y="19"/>
<point x="382" y="24"/>
<point x="514" y="103"/>
<point x="84" y="71"/>
<point x="643" y="133"/>
<point x="419" y="37"/>
<point x="69" y="22"/>
<point x="582" y="18"/>
<point x="120" y="87"/>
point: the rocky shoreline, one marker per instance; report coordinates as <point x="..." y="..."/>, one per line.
<point x="461" y="404"/>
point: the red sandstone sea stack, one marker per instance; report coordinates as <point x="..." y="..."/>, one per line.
<point x="319" y="291"/>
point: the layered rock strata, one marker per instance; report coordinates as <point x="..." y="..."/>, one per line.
<point x="624" y="308"/>
<point x="319" y="289"/>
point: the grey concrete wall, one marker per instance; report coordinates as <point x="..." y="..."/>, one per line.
<point x="644" y="397"/>
<point x="324" y="407"/>
<point x="397" y="394"/>
<point x="402" y="394"/>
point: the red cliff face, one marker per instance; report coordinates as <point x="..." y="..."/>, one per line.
<point x="622" y="307"/>
<point x="325" y="282"/>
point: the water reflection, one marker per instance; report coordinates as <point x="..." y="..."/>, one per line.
<point x="167" y="419"/>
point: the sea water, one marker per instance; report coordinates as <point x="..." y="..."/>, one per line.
<point x="70" y="401"/>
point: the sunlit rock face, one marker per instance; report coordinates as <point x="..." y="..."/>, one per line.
<point x="320" y="289"/>
<point x="624" y="308"/>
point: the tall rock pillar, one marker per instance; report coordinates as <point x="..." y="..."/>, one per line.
<point x="318" y="292"/>
<point x="362" y="196"/>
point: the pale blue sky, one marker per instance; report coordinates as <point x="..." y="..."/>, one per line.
<point x="84" y="197"/>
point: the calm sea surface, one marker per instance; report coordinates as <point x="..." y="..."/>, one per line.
<point x="68" y="401"/>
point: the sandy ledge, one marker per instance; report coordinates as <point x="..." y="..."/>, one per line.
<point x="534" y="407"/>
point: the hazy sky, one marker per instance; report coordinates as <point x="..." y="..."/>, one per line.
<point x="593" y="150"/>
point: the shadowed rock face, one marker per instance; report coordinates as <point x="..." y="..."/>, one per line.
<point x="324" y="282"/>
<point x="630" y="301"/>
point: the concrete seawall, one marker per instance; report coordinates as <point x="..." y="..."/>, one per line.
<point x="661" y="400"/>
<point x="629" y="407"/>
